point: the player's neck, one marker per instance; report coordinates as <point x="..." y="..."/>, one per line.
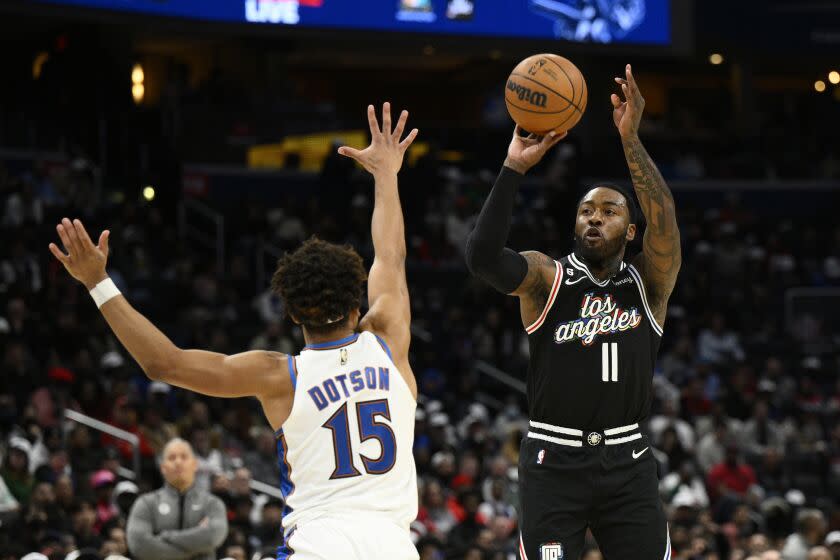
<point x="330" y="336"/>
<point x="604" y="269"/>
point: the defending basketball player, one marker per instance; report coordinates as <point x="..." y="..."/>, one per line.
<point x="344" y="407"/>
<point x="594" y="325"/>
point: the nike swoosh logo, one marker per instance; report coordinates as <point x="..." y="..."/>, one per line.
<point x="639" y="454"/>
<point x="570" y="282"/>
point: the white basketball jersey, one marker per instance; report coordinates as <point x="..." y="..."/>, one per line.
<point x="346" y="448"/>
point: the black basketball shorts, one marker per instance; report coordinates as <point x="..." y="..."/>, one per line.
<point x="611" y="489"/>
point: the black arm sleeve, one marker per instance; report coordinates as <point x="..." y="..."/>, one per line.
<point x="486" y="254"/>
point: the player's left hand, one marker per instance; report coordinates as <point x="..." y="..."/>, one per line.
<point x="84" y="261"/>
<point x="385" y="153"/>
<point x="628" y="113"/>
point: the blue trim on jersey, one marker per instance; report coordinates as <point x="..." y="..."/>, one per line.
<point x="285" y="550"/>
<point x="286" y="487"/>
<point x="332" y="344"/>
<point x="292" y="372"/>
<point x="384" y="346"/>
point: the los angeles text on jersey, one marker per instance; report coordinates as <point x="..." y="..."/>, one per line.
<point x="598" y="315"/>
<point x="328" y="391"/>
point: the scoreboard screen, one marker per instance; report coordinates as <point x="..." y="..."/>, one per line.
<point x="641" y="22"/>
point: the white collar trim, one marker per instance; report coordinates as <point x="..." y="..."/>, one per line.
<point x="582" y="267"/>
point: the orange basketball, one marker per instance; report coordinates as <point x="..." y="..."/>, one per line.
<point x="545" y="92"/>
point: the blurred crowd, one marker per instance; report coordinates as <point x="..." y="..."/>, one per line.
<point x="747" y="388"/>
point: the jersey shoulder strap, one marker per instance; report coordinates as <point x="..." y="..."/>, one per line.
<point x="552" y="295"/>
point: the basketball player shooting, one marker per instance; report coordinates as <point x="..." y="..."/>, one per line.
<point x="594" y="324"/>
<point x="343" y="409"/>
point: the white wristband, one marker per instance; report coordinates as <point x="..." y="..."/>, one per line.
<point x="103" y="292"/>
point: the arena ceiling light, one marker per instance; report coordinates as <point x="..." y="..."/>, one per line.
<point x="716" y="58"/>
<point x="819" y="85"/>
<point x="138" y="88"/>
<point x="834" y="77"/>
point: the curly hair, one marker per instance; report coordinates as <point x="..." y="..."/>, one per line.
<point x="320" y="283"/>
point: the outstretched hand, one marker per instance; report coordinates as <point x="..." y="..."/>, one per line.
<point x="628" y="113"/>
<point x="386" y="151"/>
<point x="525" y="152"/>
<point x="83" y="260"/>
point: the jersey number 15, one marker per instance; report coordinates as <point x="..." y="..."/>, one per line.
<point x="369" y="427"/>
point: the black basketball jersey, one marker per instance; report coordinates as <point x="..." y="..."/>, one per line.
<point x="593" y="350"/>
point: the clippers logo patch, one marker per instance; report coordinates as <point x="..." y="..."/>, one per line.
<point x="540" y="456"/>
<point x="551" y="551"/>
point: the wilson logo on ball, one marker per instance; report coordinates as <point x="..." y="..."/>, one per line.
<point x="526" y="94"/>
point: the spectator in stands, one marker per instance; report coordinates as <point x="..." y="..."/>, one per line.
<point x="273" y="339"/>
<point x="832" y="541"/>
<point x="102" y="483"/>
<point x="268" y="533"/>
<point x="719" y="344"/>
<point x="178" y="521"/>
<point x="435" y="512"/>
<point x="498" y="506"/>
<point x="234" y="552"/>
<point x="669" y="419"/>
<point x="732" y="476"/>
<point x="15" y="471"/>
<point x="154" y="429"/>
<point x="673" y="449"/>
<point x="677" y="365"/>
<point x="710" y="450"/>
<point x="684" y="486"/>
<point x="810" y="529"/>
<point x="209" y="458"/>
<point x="83" y="524"/>
<point x="262" y="461"/>
<point x="9" y="506"/>
<point x="464" y="533"/>
<point x="125" y="494"/>
<point x="761" y="433"/>
<point x="820" y="553"/>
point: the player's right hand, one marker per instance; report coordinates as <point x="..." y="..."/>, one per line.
<point x="525" y="152"/>
<point x="83" y="260"/>
<point x="385" y="153"/>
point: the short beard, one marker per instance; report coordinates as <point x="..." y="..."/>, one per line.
<point x="598" y="257"/>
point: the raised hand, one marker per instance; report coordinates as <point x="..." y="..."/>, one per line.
<point x="385" y="153"/>
<point x="525" y="152"/>
<point x="83" y="260"/>
<point x="628" y="113"/>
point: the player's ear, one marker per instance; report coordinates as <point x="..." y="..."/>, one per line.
<point x="631" y="232"/>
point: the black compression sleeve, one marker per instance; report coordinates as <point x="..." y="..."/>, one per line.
<point x="486" y="254"/>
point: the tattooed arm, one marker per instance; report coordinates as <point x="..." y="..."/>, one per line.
<point x="661" y="258"/>
<point x="534" y="290"/>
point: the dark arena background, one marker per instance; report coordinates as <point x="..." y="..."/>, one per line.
<point x="203" y="134"/>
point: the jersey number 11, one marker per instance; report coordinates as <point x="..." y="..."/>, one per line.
<point x="609" y="361"/>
